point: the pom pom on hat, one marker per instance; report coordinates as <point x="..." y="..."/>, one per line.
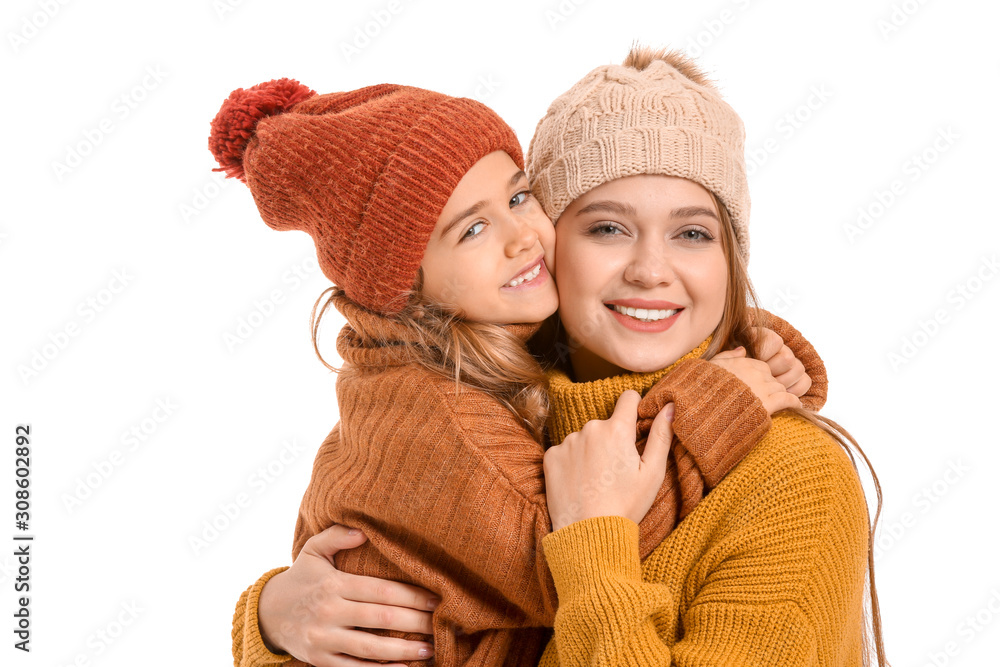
<point x="236" y="121"/>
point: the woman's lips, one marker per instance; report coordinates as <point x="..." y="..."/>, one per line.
<point x="643" y="315"/>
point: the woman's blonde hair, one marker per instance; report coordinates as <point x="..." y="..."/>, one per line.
<point x="740" y="316"/>
<point x="486" y="357"/>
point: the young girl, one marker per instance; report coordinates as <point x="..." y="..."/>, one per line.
<point x="420" y="211"/>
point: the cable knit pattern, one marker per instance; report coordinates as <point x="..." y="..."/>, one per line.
<point x="769" y="569"/>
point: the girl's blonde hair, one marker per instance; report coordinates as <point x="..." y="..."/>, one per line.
<point x="486" y="357"/>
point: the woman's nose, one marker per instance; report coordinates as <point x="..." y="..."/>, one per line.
<point x="649" y="266"/>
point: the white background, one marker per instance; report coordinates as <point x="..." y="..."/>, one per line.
<point x="193" y="259"/>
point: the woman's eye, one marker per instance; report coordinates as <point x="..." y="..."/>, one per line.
<point x="694" y="235"/>
<point x="474" y="230"/>
<point x="519" y="198"/>
<point x="605" y="229"/>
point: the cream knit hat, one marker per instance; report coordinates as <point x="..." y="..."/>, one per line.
<point x="660" y="116"/>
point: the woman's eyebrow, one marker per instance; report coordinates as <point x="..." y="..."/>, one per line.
<point x="693" y="211"/>
<point x="608" y="206"/>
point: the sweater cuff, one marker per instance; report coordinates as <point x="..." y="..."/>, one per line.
<point x="249" y="649"/>
<point x="604" y="547"/>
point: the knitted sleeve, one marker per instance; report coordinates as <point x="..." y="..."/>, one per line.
<point x="248" y="646"/>
<point x="449" y="490"/>
<point x="776" y="580"/>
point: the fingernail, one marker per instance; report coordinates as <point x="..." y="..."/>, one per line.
<point x="433" y="603"/>
<point x="353" y="531"/>
<point x="426" y="652"/>
<point x="669" y="410"/>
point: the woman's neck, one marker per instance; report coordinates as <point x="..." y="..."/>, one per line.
<point x="588" y="367"/>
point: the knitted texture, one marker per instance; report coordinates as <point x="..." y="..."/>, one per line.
<point x="714" y="427"/>
<point x="769" y="569"/>
<point x="248" y="645"/>
<point x="449" y="489"/>
<point x="366" y="173"/>
<point x="620" y="121"/>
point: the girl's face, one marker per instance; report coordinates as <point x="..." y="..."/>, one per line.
<point x="487" y="255"/>
<point x="642" y="274"/>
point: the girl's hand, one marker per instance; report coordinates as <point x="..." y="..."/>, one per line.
<point x="311" y="610"/>
<point x="598" y="471"/>
<point x="785" y="366"/>
<point x="757" y="375"/>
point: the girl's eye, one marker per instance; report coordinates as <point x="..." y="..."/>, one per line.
<point x="473" y="231"/>
<point x="519" y="198"/>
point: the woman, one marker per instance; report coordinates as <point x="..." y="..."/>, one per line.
<point x="429" y="551"/>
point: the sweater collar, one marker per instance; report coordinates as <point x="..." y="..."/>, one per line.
<point x="573" y="404"/>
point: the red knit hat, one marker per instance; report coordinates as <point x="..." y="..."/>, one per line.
<point x="365" y="173"/>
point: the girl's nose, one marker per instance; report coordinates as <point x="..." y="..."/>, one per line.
<point x="521" y="236"/>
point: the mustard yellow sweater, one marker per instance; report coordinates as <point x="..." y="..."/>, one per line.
<point x="768" y="569"/>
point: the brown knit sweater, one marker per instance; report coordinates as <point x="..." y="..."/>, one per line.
<point x="449" y="489"/>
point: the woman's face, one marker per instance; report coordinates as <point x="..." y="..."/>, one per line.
<point x="487" y="255"/>
<point x="642" y="274"/>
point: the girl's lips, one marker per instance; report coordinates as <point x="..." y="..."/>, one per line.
<point x="537" y="266"/>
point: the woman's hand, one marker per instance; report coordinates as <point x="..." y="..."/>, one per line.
<point x="311" y="610"/>
<point x="757" y="375"/>
<point x="785" y="366"/>
<point x="598" y="471"/>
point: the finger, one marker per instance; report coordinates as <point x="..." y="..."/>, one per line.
<point x="389" y="617"/>
<point x="661" y="433"/>
<point x="782" y="361"/>
<point x="791" y="376"/>
<point x="627" y="407"/>
<point x="768" y="342"/>
<point x="361" y="644"/>
<point x="737" y="353"/>
<point x="332" y="540"/>
<point x="360" y="588"/>
<point x="801" y="387"/>
<point x="782" y="400"/>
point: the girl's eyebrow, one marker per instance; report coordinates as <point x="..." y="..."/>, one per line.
<point x="475" y="208"/>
